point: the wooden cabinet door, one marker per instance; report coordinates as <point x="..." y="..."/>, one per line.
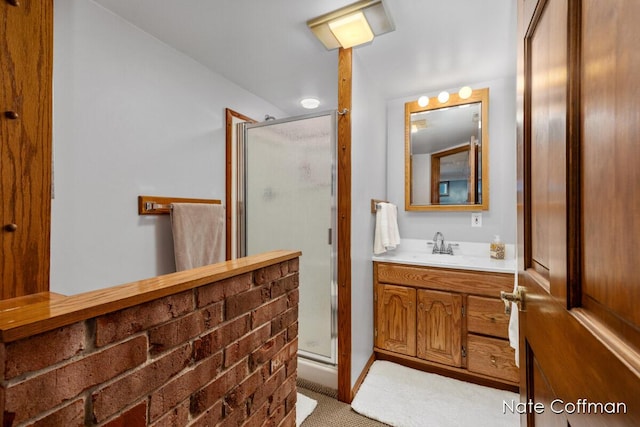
<point x="396" y="319"/>
<point x="26" y="62"/>
<point x="439" y="330"/>
<point x="578" y="216"/>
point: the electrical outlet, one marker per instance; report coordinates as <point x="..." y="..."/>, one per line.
<point x="476" y="219"/>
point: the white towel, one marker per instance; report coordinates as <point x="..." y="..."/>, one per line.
<point x="387" y="236"/>
<point x="514" y="335"/>
<point x="198" y="234"/>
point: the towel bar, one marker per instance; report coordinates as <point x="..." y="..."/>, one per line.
<point x="156" y="205"/>
<point x="375" y="204"/>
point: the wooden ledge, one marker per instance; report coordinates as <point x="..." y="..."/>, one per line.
<point x="51" y="311"/>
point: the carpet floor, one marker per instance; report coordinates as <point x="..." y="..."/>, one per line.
<point x="330" y="412"/>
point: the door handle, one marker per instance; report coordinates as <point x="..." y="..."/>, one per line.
<point x="516" y="297"/>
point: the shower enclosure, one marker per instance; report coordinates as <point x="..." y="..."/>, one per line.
<point x="287" y="195"/>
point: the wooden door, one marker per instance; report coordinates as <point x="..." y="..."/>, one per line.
<point x="439" y="327"/>
<point x="396" y="319"/>
<point x="26" y="61"/>
<point x="578" y="212"/>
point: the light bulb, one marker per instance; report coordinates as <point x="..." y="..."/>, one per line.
<point x="423" y="101"/>
<point x="465" y="92"/>
<point x="443" y="96"/>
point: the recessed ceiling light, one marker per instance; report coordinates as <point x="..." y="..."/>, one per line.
<point x="310" y="103"/>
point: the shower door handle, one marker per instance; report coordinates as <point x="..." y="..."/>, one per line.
<point x="330" y="236"/>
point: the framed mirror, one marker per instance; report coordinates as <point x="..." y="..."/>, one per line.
<point x="447" y="154"/>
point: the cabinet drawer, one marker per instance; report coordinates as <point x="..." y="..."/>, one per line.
<point x="492" y="356"/>
<point x="486" y="316"/>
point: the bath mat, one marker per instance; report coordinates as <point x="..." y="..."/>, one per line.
<point x="405" y="397"/>
<point x="304" y="407"/>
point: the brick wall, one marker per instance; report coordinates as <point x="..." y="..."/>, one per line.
<point x="219" y="354"/>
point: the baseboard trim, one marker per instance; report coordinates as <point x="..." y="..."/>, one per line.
<point x="362" y="376"/>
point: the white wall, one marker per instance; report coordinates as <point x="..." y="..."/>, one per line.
<point x="132" y="116"/>
<point x="456" y="226"/>
<point x="368" y="175"/>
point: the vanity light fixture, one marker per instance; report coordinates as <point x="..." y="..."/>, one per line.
<point x="465" y="92"/>
<point x="352" y="25"/>
<point x="310" y="103"/>
<point x="443" y="96"/>
<point x="423" y="101"/>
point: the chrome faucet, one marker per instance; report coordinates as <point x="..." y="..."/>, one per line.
<point x="439" y="246"/>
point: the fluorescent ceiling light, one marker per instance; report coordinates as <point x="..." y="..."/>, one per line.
<point x="351" y="30"/>
<point x="352" y="25"/>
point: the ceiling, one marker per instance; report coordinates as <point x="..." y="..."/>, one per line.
<point x="265" y="46"/>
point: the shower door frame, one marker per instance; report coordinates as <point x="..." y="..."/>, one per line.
<point x="241" y="236"/>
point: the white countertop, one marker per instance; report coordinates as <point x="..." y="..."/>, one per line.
<point x="466" y="256"/>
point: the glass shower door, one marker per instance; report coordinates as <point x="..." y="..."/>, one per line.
<point x="289" y="204"/>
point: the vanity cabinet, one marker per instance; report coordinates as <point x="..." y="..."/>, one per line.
<point x="447" y="321"/>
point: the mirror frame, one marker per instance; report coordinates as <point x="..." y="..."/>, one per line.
<point x="478" y="95"/>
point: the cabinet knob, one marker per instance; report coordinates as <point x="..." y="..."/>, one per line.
<point x="13" y="2"/>
<point x="11" y="227"/>
<point x="493" y="360"/>
<point x="12" y="115"/>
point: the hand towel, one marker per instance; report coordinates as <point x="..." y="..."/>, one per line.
<point x="198" y="234"/>
<point x="514" y="335"/>
<point x="386" y="236"/>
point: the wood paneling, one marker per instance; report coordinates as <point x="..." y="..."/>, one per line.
<point x="611" y="151"/>
<point x="439" y="330"/>
<point x="344" y="225"/>
<point x="578" y="217"/>
<point x="491" y="357"/>
<point x="486" y="316"/>
<point x="26" y="63"/>
<point x="396" y="319"/>
<point x="473" y="283"/>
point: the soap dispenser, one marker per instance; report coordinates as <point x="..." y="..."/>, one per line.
<point x="497" y="248"/>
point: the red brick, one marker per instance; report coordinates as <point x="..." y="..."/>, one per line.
<point x="267" y="312"/>
<point x="294" y="265"/>
<point x="292" y="332"/>
<point x="245" y="345"/>
<point x="258" y="416"/>
<point x="293" y="298"/>
<point x="46" y="349"/>
<point x="134" y="417"/>
<point x="279" y="397"/>
<point x="284" y="285"/>
<point x="185" y="328"/>
<point x="289" y="420"/>
<point x="177" y="417"/>
<point x="284" y="320"/>
<point x="287" y="353"/>
<point x="232" y="417"/>
<point x="183" y="385"/>
<point x="266" y="351"/>
<point x="42" y="392"/>
<point x="239" y="304"/>
<point x="116" y="326"/>
<point x="266" y="391"/>
<point x="220" y="337"/>
<point x="267" y="275"/>
<point x="209" y="417"/>
<point x="276" y="416"/>
<point x="240" y="394"/>
<point x="69" y="415"/>
<point x="213" y="392"/>
<point x="218" y="291"/>
<point x="115" y="396"/>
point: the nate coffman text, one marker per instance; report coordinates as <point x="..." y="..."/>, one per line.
<point x="559" y="406"/>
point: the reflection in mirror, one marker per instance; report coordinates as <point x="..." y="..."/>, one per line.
<point x="446" y="153"/>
